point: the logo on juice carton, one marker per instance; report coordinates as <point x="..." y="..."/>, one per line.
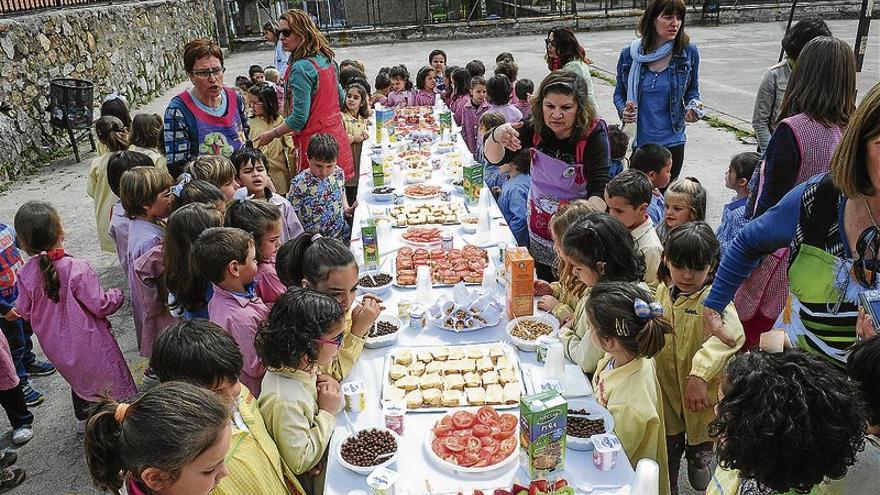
<point x="542" y="433"/>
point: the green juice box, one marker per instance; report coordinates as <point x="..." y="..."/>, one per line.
<point x="378" y="170"/>
<point x="370" y="241"/>
<point x="473" y="182"/>
<point x="542" y="421"/>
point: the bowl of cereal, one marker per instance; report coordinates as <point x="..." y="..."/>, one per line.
<point x="368" y="450"/>
<point x="525" y="330"/>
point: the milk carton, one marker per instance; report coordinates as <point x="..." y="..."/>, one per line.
<point x="542" y="420"/>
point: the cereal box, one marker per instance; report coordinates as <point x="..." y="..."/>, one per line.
<point x="542" y="419"/>
<point x="519" y="269"/>
<point x="473" y="182"/>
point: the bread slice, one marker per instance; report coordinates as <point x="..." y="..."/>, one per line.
<point x="431" y="397"/>
<point x="407" y="383"/>
<point x="490" y="378"/>
<point x="456" y="354"/>
<point x="417" y="368"/>
<point x="472" y="379"/>
<point x="435" y="367"/>
<point x="506" y="376"/>
<point x="494" y="394"/>
<point x="485" y="364"/>
<point x="511" y="393"/>
<point x="476" y="396"/>
<point x="452" y="367"/>
<point x="452" y="398"/>
<point x="413" y="399"/>
<point x="397" y="372"/>
<point x="496" y="352"/>
<point x="424" y="356"/>
<point x="503" y="363"/>
<point x="474" y="353"/>
<point x="403" y="356"/>
<point x="467" y="365"/>
<point x="440" y="353"/>
<point x="393" y="393"/>
<point x="430" y="380"/>
<point x="453" y="382"/>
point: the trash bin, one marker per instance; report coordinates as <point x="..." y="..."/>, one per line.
<point x="70" y="107"/>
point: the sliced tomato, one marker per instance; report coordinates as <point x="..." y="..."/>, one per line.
<point x="446" y="420"/>
<point x="488" y="452"/>
<point x="488" y="416"/>
<point x="473" y="444"/>
<point x="467" y="459"/>
<point x="442" y="430"/>
<point x="497" y="457"/>
<point x="499" y="434"/>
<point x="489" y="442"/>
<point x="507" y="422"/>
<point x="484" y="461"/>
<point x="467" y="432"/>
<point x="439" y="448"/>
<point x="462" y="420"/>
<point x="507" y="446"/>
<point x="455" y="444"/>
<point x="481" y="430"/>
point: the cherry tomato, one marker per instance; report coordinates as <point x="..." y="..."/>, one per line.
<point x="488" y="416"/>
<point x="482" y="430"/>
<point x="506" y="446"/>
<point x="442" y="430"/>
<point x="455" y="444"/>
<point x="462" y="420"/>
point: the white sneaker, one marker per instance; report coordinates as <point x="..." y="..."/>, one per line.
<point x="23" y="435"/>
<point x="80" y="427"/>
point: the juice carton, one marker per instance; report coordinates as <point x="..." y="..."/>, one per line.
<point x="378" y="169"/>
<point x="370" y="241"/>
<point x="519" y="269"/>
<point x="384" y="120"/>
<point x="542" y="420"/>
<point x="473" y="182"/>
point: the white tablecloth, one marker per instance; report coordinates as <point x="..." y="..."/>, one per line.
<point x="416" y="470"/>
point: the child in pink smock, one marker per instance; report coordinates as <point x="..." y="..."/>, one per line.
<point x="146" y="196"/>
<point x="469" y="113"/>
<point x="120" y="163"/>
<point x="227" y="257"/>
<point x="63" y="299"/>
<point x="252" y="173"/>
<point x="263" y="221"/>
<point x="426" y="86"/>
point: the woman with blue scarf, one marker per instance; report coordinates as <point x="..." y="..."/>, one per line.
<point x="658" y="88"/>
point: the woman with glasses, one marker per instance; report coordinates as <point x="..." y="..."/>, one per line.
<point x="820" y="98"/>
<point x="830" y="224"/>
<point x="208" y="118"/>
<point x="658" y="87"/>
<point x="312" y="94"/>
<point x="564" y="52"/>
<point x="568" y="144"/>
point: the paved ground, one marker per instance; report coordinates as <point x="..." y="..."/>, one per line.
<point x="734" y="57"/>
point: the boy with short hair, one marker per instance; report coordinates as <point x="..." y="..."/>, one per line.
<point x="318" y="192"/>
<point x="468" y="115"/>
<point x="227" y="257"/>
<point x="514" y="195"/>
<point x="742" y="165"/>
<point x="202" y="353"/>
<point x="476" y="68"/>
<point x="656" y="162"/>
<point x="256" y="74"/>
<point x="628" y="196"/>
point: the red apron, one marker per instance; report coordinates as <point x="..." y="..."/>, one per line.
<point x="325" y="116"/>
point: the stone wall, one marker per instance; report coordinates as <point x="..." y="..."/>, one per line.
<point x="134" y="49"/>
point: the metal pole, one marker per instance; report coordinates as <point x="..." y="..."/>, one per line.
<point x="862" y="33"/>
<point x="790" y="18"/>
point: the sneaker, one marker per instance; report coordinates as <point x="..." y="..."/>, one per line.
<point x="7" y="458"/>
<point x="80" y="426"/>
<point x="40" y="368"/>
<point x="31" y="396"/>
<point x="22" y="435"/>
<point x="699" y="477"/>
<point x="11" y="478"/>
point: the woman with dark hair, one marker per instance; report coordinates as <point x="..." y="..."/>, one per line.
<point x="312" y="94"/>
<point x="772" y="90"/>
<point x="208" y="118"/>
<point x="829" y="223"/>
<point x="279" y="152"/>
<point x="658" y="86"/>
<point x="565" y="53"/>
<point x="569" y="148"/>
<point x="785" y="423"/>
<point x="820" y="98"/>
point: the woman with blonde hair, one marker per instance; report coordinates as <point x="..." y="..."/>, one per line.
<point x="312" y="94"/>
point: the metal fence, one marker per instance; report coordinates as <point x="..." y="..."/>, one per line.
<point x="17" y="6"/>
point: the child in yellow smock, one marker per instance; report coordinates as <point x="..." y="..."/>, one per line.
<point x="113" y="135"/>
<point x="298" y="402"/>
<point x="355" y="115"/>
<point x="326" y="265"/>
<point x="629" y="326"/>
<point x="599" y="249"/>
<point x="690" y="367"/>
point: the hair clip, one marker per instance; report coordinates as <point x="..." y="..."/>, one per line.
<point x="317" y="236"/>
<point x="620" y="328"/>
<point x="177" y="189"/>
<point x="115" y="96"/>
<point x="241" y="195"/>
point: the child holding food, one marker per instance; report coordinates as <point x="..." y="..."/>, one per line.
<point x="299" y="403"/>
<point x="628" y="325"/>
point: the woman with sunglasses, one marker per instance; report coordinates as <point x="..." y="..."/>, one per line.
<point x="565" y="53"/>
<point x="568" y="144"/>
<point x="298" y="403"/>
<point x="820" y="98"/>
<point x="658" y="88"/>
<point x="312" y="94"/>
<point x="830" y="224"/>
<point x="208" y="118"/>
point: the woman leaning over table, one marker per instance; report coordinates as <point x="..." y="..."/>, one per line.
<point x="658" y="86"/>
<point x="312" y="94"/>
<point x="568" y="144"/>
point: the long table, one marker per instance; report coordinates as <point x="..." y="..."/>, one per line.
<point x="418" y="475"/>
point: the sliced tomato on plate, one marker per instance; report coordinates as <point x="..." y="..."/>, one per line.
<point x="481" y="430"/>
<point x="439" y="448"/>
<point x="483" y="462"/>
<point x="488" y="452"/>
<point x="489" y="442"/>
<point x="463" y="433"/>
<point x="455" y="444"/>
<point x="496" y="458"/>
<point x="473" y="444"/>
<point x="499" y="434"/>
<point x="488" y="416"/>
<point x="507" y="446"/>
<point x="446" y="420"/>
<point x="467" y="459"/>
<point x="462" y="420"/>
<point x="507" y="422"/>
<point x="442" y="430"/>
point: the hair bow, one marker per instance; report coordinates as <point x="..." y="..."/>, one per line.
<point x="54" y="254"/>
<point x="241" y="195"/>
<point x="177" y="189"/>
<point x="646" y="310"/>
<point x="115" y="96"/>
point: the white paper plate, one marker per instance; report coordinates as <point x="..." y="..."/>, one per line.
<point x="593" y="408"/>
<point x="444" y="464"/>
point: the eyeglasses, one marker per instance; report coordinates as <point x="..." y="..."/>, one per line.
<point x="285" y="32"/>
<point x="868" y="251"/>
<point x="337" y="341"/>
<point x="549" y="42"/>
<point x="207" y="73"/>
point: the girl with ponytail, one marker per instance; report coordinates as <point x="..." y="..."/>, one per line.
<point x="62" y="298"/>
<point x="171" y="440"/>
<point x="628" y="325"/>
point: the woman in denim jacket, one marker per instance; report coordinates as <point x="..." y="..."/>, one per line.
<point x="664" y="91"/>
